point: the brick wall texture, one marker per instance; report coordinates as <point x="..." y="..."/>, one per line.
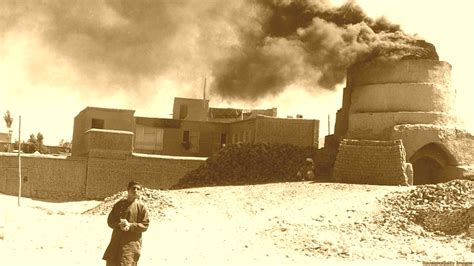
<point x="44" y="176"/>
<point x="299" y="132"/>
<point x="89" y="177"/>
<point x="106" y="176"/>
<point x="371" y="162"/>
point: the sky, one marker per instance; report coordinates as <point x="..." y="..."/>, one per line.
<point x="58" y="57"/>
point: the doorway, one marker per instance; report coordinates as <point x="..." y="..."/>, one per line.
<point x="429" y="163"/>
<point x="426" y="171"/>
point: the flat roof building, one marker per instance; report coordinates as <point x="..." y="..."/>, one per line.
<point x="195" y="129"/>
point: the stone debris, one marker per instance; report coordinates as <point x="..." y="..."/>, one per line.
<point x="154" y="199"/>
<point x="444" y="208"/>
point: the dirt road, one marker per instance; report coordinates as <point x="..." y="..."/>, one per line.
<point x="300" y="223"/>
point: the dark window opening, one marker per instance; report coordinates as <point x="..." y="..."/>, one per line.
<point x="97" y="123"/>
<point x="183" y="111"/>
<point x="186" y="143"/>
<point x="186" y="136"/>
<point x="223" y="139"/>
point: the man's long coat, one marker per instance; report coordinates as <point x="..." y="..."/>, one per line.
<point x="124" y="247"/>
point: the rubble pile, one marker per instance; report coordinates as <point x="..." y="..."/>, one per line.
<point x="246" y="164"/>
<point x="154" y="199"/>
<point x="445" y="208"/>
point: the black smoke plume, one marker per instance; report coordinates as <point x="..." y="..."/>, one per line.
<point x="121" y="44"/>
<point x="312" y="44"/>
<point x="253" y="48"/>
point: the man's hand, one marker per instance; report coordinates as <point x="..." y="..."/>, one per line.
<point x="124" y="225"/>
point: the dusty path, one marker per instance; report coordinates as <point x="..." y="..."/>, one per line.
<point x="284" y="223"/>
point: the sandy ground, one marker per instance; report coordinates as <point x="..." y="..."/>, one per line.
<point x="300" y="223"/>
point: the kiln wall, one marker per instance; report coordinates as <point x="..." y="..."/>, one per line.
<point x="384" y="93"/>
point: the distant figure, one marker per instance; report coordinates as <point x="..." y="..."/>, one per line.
<point x="306" y="172"/>
<point x="409" y="174"/>
<point x="128" y="219"/>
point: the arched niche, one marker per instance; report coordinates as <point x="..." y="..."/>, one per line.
<point x="429" y="163"/>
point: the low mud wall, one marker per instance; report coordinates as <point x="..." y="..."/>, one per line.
<point x="106" y="177"/>
<point x="74" y="178"/>
<point x="43" y="176"/>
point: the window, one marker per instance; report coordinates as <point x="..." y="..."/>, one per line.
<point x="194" y="141"/>
<point x="186" y="136"/>
<point x="235" y="138"/>
<point x="185" y="143"/>
<point x="97" y="123"/>
<point x="183" y="111"/>
<point x="247" y="136"/>
<point x="148" y="138"/>
<point x="191" y="141"/>
<point x="223" y="139"/>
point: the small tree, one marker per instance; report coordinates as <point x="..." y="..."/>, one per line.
<point x="66" y="146"/>
<point x="40" y="145"/>
<point x="31" y="145"/>
<point x="9" y="121"/>
<point x="34" y="143"/>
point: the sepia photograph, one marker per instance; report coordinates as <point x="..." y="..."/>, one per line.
<point x="237" y="132"/>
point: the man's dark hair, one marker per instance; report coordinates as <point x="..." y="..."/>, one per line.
<point x="133" y="183"/>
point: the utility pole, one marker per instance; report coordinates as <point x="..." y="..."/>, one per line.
<point x="204" y="91"/>
<point x="204" y="99"/>
<point x="19" y="160"/>
<point x="329" y="124"/>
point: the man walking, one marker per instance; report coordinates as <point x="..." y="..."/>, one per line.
<point x="128" y="219"/>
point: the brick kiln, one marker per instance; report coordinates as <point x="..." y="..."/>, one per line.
<point x="401" y="101"/>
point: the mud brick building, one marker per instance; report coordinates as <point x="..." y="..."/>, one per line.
<point x="195" y="129"/>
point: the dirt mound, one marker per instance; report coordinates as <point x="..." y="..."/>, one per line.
<point x="154" y="199"/>
<point x="247" y="164"/>
<point x="445" y="208"/>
